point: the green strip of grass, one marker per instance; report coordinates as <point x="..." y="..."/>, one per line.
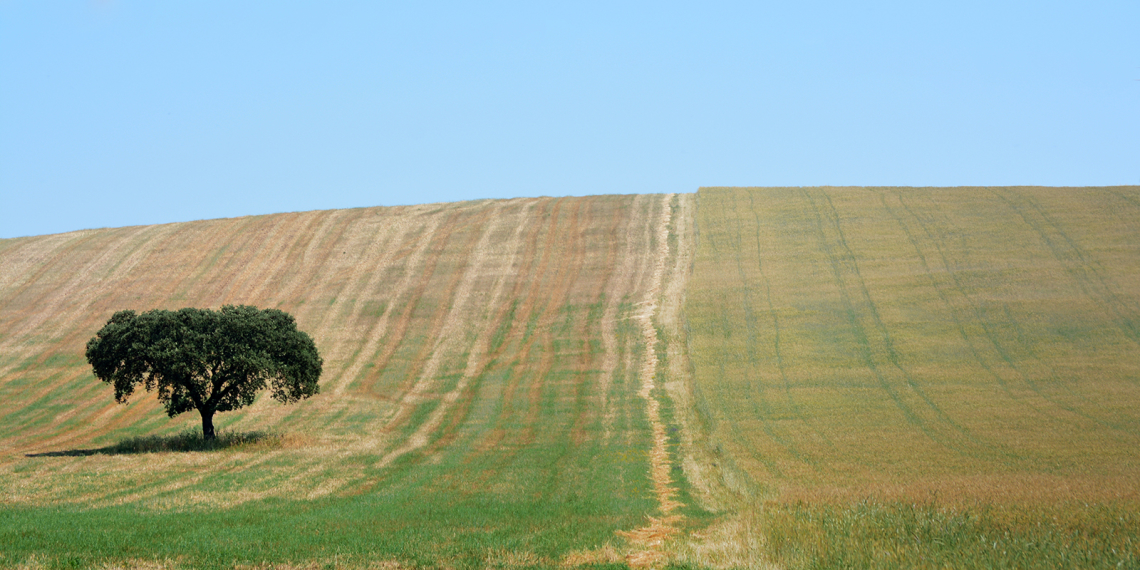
<point x="460" y="532"/>
<point x="909" y="535"/>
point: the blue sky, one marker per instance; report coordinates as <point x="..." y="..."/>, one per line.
<point x="119" y="113"/>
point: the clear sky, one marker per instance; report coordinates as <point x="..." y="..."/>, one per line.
<point x="121" y="112"/>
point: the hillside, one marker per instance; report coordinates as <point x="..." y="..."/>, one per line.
<point x="742" y="377"/>
<point x="485" y="356"/>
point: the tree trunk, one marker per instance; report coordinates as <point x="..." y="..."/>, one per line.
<point x="207" y="425"/>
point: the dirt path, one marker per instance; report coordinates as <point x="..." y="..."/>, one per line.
<point x="648" y="541"/>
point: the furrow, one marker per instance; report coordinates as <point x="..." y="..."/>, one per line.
<point x="444" y="322"/>
<point x="262" y="288"/>
<point x="261" y="254"/>
<point x="591" y="396"/>
<point x="368" y="272"/>
<point x="494" y="261"/>
<point x="206" y="249"/>
<point x="309" y="270"/>
<point x="68" y="301"/>
<point x="47" y="255"/>
<point x="616" y="285"/>
<point x="1075" y="263"/>
<point x="507" y="354"/>
<point x="865" y="350"/>
<point x="27" y="259"/>
<point x="563" y="265"/>
<point x="763" y="409"/>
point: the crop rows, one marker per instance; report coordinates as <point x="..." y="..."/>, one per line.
<point x="495" y="358"/>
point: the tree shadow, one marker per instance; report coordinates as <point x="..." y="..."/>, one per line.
<point x="180" y="443"/>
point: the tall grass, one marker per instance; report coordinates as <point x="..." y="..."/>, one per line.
<point x="896" y="534"/>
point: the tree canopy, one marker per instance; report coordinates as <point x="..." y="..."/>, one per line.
<point x="211" y="361"/>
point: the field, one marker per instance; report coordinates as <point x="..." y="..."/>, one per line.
<point x="752" y="378"/>
<point x="489" y="393"/>
<point x="953" y="357"/>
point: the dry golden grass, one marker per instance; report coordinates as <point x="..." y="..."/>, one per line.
<point x="735" y="541"/>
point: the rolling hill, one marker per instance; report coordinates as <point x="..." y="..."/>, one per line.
<point x="735" y="378"/>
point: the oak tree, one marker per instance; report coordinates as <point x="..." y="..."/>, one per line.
<point x="205" y="360"/>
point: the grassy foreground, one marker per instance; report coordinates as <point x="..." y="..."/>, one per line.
<point x="910" y="535"/>
<point x="413" y="521"/>
<point x="924" y="378"/>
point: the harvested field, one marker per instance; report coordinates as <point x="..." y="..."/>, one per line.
<point x="486" y="370"/>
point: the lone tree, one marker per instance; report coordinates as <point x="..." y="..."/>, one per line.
<point x="211" y="361"/>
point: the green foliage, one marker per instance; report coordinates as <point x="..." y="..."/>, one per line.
<point x="211" y="361"/>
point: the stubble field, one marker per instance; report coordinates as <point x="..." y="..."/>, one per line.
<point x="488" y="395"/>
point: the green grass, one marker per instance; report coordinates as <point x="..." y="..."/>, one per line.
<point x="877" y="535"/>
<point x="451" y="530"/>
